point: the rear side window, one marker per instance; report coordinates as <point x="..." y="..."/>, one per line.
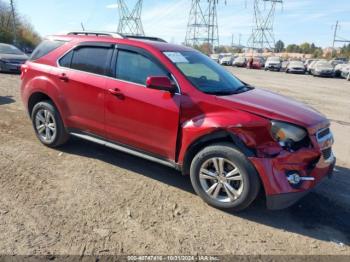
<point x="91" y="59"/>
<point x="133" y="67"/>
<point x="46" y="47"/>
<point x="66" y="60"/>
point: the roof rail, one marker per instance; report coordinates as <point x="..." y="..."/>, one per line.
<point x="96" y="33"/>
<point x="151" y="38"/>
<point x="116" y="35"/>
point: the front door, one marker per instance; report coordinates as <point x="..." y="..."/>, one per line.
<point x="137" y="116"/>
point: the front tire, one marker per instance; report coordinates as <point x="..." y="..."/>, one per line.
<point x="48" y="125"/>
<point x="224" y="177"/>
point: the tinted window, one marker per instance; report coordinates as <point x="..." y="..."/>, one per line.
<point x="92" y="59"/>
<point x="66" y="60"/>
<point x="136" y="68"/>
<point x="45" y="47"/>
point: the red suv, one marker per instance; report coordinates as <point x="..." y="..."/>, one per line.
<point x="173" y="105"/>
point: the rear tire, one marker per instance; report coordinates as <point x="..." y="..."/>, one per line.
<point x="48" y="125"/>
<point x="224" y="177"/>
<point x="348" y="77"/>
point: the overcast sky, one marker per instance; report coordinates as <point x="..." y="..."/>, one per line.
<point x="296" y="21"/>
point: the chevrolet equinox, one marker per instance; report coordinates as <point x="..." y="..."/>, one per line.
<point x="175" y="106"/>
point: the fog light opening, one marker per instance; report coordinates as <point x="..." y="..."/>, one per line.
<point x="294" y="178"/>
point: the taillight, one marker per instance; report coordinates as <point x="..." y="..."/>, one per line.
<point x="24" y="69"/>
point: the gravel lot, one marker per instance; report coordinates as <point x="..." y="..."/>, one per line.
<point x="85" y="199"/>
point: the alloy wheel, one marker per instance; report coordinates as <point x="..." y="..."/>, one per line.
<point x="221" y="180"/>
<point x="45" y="125"/>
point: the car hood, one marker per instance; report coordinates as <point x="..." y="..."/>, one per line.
<point x="324" y="67"/>
<point x="13" y="56"/>
<point x="277" y="107"/>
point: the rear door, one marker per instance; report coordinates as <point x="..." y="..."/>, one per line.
<point x="137" y="116"/>
<point x="82" y="80"/>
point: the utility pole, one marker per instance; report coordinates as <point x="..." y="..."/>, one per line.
<point x="130" y="22"/>
<point x="335" y="33"/>
<point x="336" y="37"/>
<point x="263" y="34"/>
<point x="202" y="27"/>
<point x="13" y="22"/>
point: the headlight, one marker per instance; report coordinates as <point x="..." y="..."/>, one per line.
<point x="284" y="132"/>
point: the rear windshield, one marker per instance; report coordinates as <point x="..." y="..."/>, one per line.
<point x="9" y="50"/>
<point x="46" y="47"/>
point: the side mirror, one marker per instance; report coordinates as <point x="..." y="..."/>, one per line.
<point x="160" y="83"/>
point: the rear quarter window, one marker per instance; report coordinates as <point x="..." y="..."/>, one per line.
<point x="46" y="47"/>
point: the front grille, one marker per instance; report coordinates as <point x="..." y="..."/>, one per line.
<point x="323" y="133"/>
<point x="327" y="153"/>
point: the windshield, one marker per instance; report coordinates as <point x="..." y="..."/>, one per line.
<point x="9" y="50"/>
<point x="206" y="75"/>
<point x="296" y="63"/>
<point x="324" y="64"/>
<point x="274" y="59"/>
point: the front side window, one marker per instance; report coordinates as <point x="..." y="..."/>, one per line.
<point x="91" y="59"/>
<point x="206" y="75"/>
<point x="134" y="67"/>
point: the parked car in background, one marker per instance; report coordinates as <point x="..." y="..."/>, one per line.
<point x="284" y="65"/>
<point x="336" y="62"/>
<point x="215" y="57"/>
<point x="226" y="60"/>
<point x="345" y="72"/>
<point x="273" y="63"/>
<point x="307" y="64"/>
<point x="338" y="69"/>
<point x="295" y="67"/>
<point x="323" y="68"/>
<point x="240" y="61"/>
<point x="311" y="67"/>
<point x="173" y="105"/>
<point x="11" y="58"/>
<point x="255" y="63"/>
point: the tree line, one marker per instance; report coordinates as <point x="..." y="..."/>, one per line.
<point x="25" y="34"/>
<point x="307" y="48"/>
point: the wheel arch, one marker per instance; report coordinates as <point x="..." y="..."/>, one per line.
<point x="35" y="98"/>
<point x="211" y="138"/>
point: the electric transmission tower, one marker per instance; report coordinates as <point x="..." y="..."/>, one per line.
<point x="264" y="15"/>
<point x="202" y="27"/>
<point x="130" y="22"/>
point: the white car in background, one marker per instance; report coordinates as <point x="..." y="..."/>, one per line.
<point x="345" y="72"/>
<point x="215" y="57"/>
<point x="295" y="67"/>
<point x="273" y="63"/>
<point x="226" y="60"/>
<point x="339" y="68"/>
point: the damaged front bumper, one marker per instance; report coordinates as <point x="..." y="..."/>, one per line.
<point x="311" y="165"/>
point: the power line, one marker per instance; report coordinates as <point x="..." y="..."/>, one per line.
<point x="130" y="22"/>
<point x="263" y="33"/>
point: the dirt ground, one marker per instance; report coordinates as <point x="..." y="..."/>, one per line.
<point x="86" y="199"/>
